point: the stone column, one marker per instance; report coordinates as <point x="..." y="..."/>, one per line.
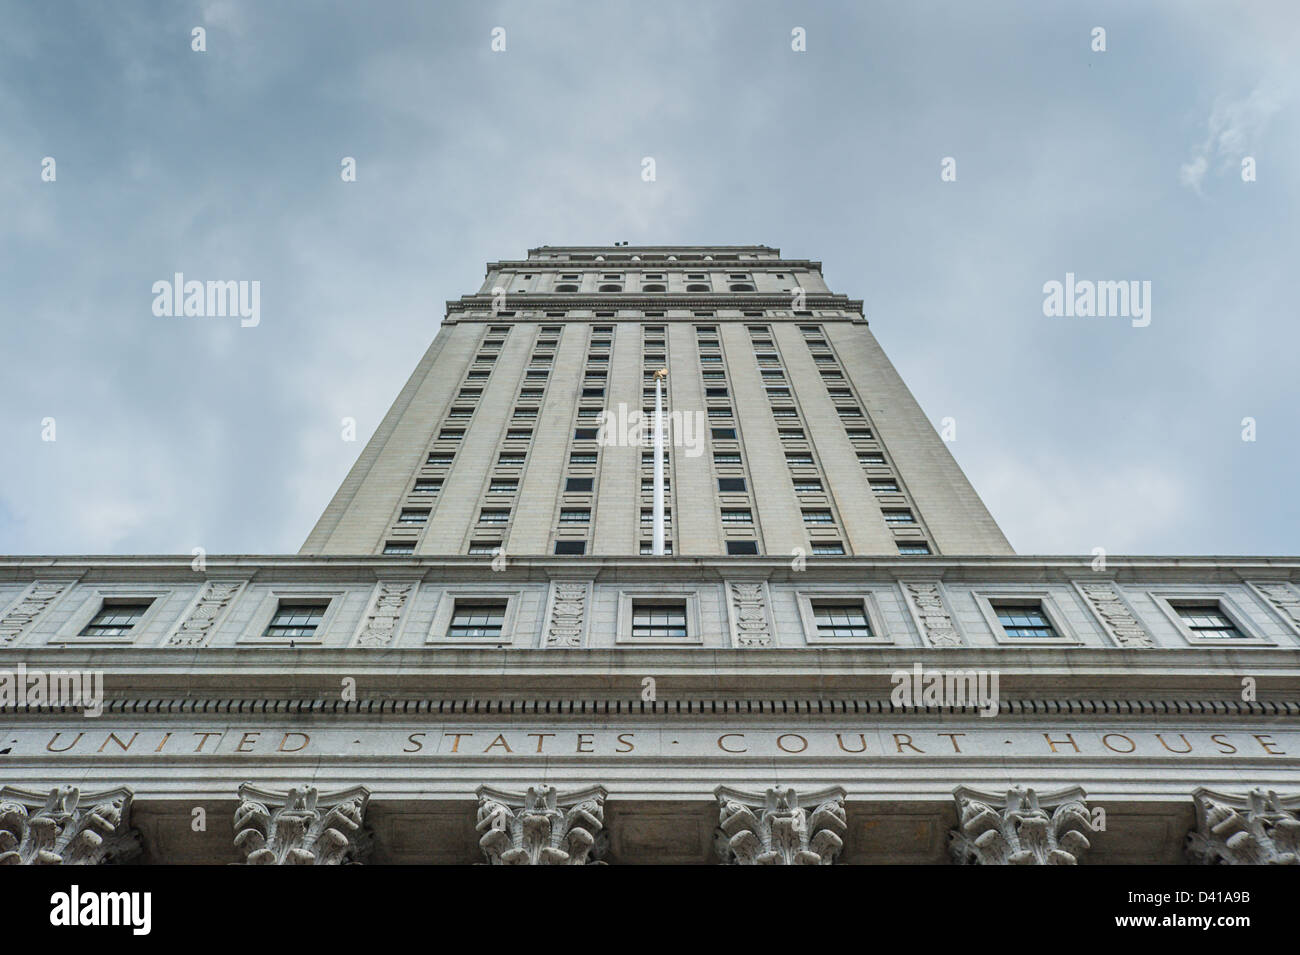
<point x="541" y="827"/>
<point x="302" y="826"/>
<point x="63" y="827"/>
<point x="1259" y="828"/>
<point x="780" y="827"/>
<point x="1016" y="828"/>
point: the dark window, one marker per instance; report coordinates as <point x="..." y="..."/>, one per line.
<point x="584" y="434"/>
<point x="827" y="548"/>
<point x="841" y="619"/>
<point x="724" y="434"/>
<point x="1207" y="621"/>
<point x="398" y="548"/>
<point x="658" y="621"/>
<point x="741" y="548"/>
<point x="413" y="515"/>
<point x="571" y="547"/>
<point x="477" y="619"/>
<point x="913" y="549"/>
<point x="578" y="485"/>
<point x="1023" y="620"/>
<point x="575" y="515"/>
<point x="116" y="618"/>
<point x="295" y="620"/>
<point x="731" y="485"/>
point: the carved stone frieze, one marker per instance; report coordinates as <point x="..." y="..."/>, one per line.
<point x="780" y="827"/>
<point x="751" y="626"/>
<point x="1104" y="601"/>
<point x="931" y="614"/>
<point x="196" y="629"/>
<point x="568" y="608"/>
<point x="29" y="608"/>
<point x="62" y="827"/>
<point x="542" y="827"/>
<point x="1259" y="828"/>
<point x="1282" y="598"/>
<point x="379" y="628"/>
<point x="302" y="826"/>
<point x="1018" y="829"/>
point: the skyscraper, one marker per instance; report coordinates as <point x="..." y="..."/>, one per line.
<point x="789" y="430"/>
<point x="476" y="658"/>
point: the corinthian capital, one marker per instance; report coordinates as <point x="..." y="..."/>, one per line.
<point x="1016" y="828"/>
<point x="301" y="826"/>
<point x="541" y="827"/>
<point x="63" y="827"/>
<point x="780" y="827"/>
<point x="1259" y="828"/>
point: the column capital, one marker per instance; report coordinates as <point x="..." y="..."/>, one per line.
<point x="541" y="826"/>
<point x="780" y="826"/>
<point x="1019" y="827"/>
<point x="66" y="827"/>
<point x="1257" y="828"/>
<point x="301" y="826"/>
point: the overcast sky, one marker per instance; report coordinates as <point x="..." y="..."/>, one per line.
<point x="1078" y="432"/>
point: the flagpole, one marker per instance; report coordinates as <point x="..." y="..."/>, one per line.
<point x="657" y="547"/>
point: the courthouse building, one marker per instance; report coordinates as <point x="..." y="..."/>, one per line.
<point x="481" y="655"/>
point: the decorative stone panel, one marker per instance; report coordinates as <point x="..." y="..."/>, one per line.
<point x="302" y="826"/>
<point x="29" y="608"/>
<point x="1119" y="622"/>
<point x="1259" y="828"/>
<point x="1282" y="599"/>
<point x="196" y="629"/>
<point x="541" y="827"/>
<point x="780" y="827"/>
<point x="567" y="612"/>
<point x="1017" y="828"/>
<point x="747" y="609"/>
<point x="63" y="828"/>
<point x="379" y="626"/>
<point x="933" y="619"/>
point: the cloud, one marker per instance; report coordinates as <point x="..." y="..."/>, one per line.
<point x="1234" y="130"/>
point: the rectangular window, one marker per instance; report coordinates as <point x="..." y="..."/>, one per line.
<point x="510" y="459"/>
<point x="1206" y="620"/>
<point x="572" y="548"/>
<point x="731" y="485"/>
<point x="584" y="434"/>
<point x="737" y="515"/>
<point x="295" y="620"/>
<point x="827" y="548"/>
<point x="884" y="486"/>
<point x="724" y="434"/>
<point x="1023" y="619"/>
<point x="413" y="515"/>
<point x="582" y="458"/>
<point x="719" y="412"/>
<point x="648" y="547"/>
<point x="839" y="620"/>
<point x="798" y="460"/>
<point x="398" y="548"/>
<point x="519" y="434"/>
<point x="790" y="434"/>
<point x="438" y="459"/>
<point x="807" y="486"/>
<point x="899" y="516"/>
<point x="593" y="392"/>
<point x="503" y="486"/>
<point x="526" y="411"/>
<point x="426" y="486"/>
<point x="818" y="517"/>
<point x="575" y="515"/>
<point x="658" y="620"/>
<point x="726" y="457"/>
<point x="492" y="515"/>
<point x="913" y="549"/>
<point x="451" y="434"/>
<point x="479" y="618"/>
<point x="116" y="618"/>
<point x="742" y="548"/>
<point x="871" y="458"/>
<point x="578" y="485"/>
<point x="481" y="548"/>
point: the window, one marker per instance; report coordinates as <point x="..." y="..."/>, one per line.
<point x="581" y="458"/>
<point x="850" y="412"/>
<point x="484" y="547"/>
<point x="818" y="517"/>
<point x="295" y="620"/>
<point x="398" y="548"/>
<point x="471" y="393"/>
<point x="871" y="458"/>
<point x="648" y="515"/>
<point x="737" y="515"/>
<point x="565" y="287"/>
<point x="438" y="459"/>
<point x="715" y="392"/>
<point x="719" y="412"/>
<point x="413" y="515"/>
<point x="451" y="434"/>
<point x="807" y="486"/>
<point x="116" y="618"/>
<point x="493" y="515"/>
<point x="790" y="434"/>
<point x="510" y="459"/>
<point x="778" y="392"/>
<point x="648" y="547"/>
<point x="1206" y="621"/>
<point x="1023" y="619"/>
<point x="530" y="392"/>
<point x="474" y="619"/>
<point x="724" y="434"/>
<point x="796" y="460"/>
<point x="742" y="548"/>
<point x="575" y="515"/>
<point x="726" y="457"/>
<point x="426" y="486"/>
<point x="840" y="620"/>
<point x="913" y="549"/>
<point x="519" y="434"/>
<point x="503" y="486"/>
<point x="578" y="485"/>
<point x="899" y="516"/>
<point x="784" y="413"/>
<point x="695" y="287"/>
<point x="573" y="548"/>
<point x="593" y="392"/>
<point x="525" y="412"/>
<point x="648" y="484"/>
<point x="884" y="486"/>
<point x="658" y="620"/>
<point x="828" y="548"/>
<point x="731" y="485"/>
<point x="584" y="434"/>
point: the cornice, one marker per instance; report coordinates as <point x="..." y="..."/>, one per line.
<point x="654" y="300"/>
